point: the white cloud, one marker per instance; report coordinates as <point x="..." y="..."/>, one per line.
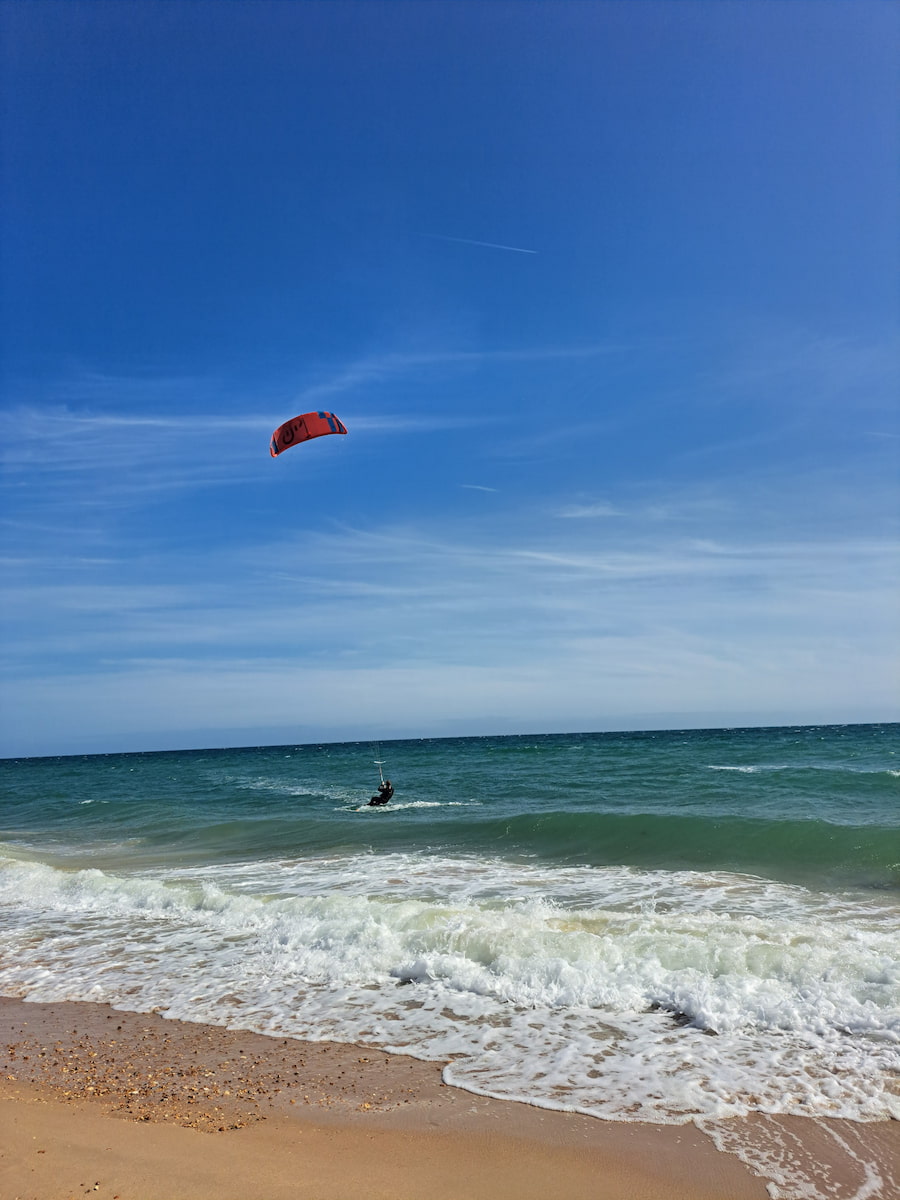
<point x="588" y="687"/>
<point x="362" y="373"/>
<point x="584" y="511"/>
<point x="403" y="626"/>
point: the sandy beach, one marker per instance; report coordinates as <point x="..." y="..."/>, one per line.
<point x="133" y="1107"/>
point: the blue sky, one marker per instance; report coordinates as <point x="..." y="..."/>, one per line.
<point x="606" y="295"/>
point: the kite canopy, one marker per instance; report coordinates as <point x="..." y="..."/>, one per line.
<point x="302" y="428"/>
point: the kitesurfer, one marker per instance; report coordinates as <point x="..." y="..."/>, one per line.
<point x="385" y="791"/>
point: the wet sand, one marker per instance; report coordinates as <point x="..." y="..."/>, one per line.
<point x="134" y="1107"/>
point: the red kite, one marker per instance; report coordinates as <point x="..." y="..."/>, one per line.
<point x="302" y="428"/>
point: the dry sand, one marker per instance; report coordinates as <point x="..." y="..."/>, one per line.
<point x="133" y="1107"/>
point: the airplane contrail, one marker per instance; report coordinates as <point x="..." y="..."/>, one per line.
<point x="471" y="242"/>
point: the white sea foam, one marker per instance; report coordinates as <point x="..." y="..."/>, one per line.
<point x="399" y="806"/>
<point x="626" y="994"/>
<point x="798" y="1168"/>
<point x="759" y="768"/>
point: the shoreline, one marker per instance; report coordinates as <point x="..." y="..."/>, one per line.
<point x="135" y="1106"/>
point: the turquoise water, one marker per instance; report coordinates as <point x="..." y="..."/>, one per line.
<point x="648" y="926"/>
<point x="812" y="805"/>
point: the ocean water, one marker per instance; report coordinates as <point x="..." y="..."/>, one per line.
<point x="650" y="926"/>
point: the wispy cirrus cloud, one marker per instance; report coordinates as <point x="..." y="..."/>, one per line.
<point x="359" y="374"/>
<point x="441" y="237"/>
<point x="59" y="435"/>
<point x="817" y="366"/>
<point x="88" y="411"/>
<point x="588" y="511"/>
<point x="63" y="438"/>
<point x="591" y="659"/>
<point x="663" y="619"/>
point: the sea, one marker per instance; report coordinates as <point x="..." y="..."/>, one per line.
<point x="651" y="926"/>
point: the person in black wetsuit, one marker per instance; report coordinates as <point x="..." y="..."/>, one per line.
<point x="385" y="791"/>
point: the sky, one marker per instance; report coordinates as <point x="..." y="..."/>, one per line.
<point x="607" y="295"/>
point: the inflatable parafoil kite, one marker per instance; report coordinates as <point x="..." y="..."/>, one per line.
<point x="302" y="428"/>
